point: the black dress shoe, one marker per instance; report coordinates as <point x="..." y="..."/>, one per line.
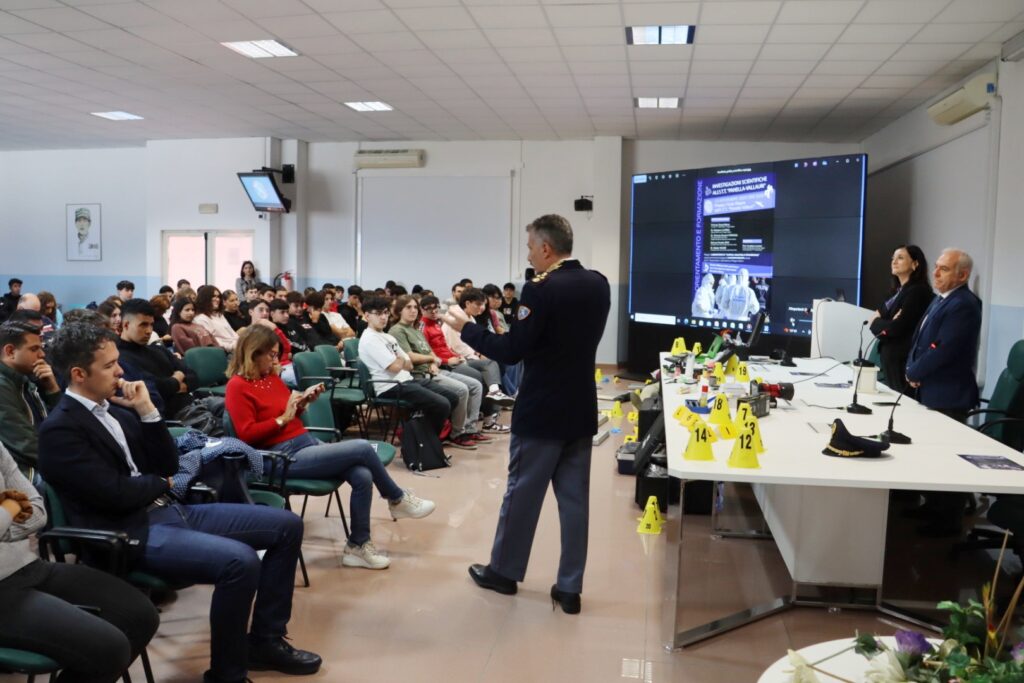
<point x="208" y="677"/>
<point x="485" y="577"/>
<point x="570" y="602"/>
<point x="277" y="655"/>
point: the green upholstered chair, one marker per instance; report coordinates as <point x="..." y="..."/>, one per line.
<point x="210" y="364"/>
<point x="344" y="392"/>
<point x="25" y="662"/>
<point x="1003" y="419"/>
<point x="387" y="409"/>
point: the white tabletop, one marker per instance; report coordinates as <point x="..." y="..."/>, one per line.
<point x="793" y="456"/>
<point x="848" y="665"/>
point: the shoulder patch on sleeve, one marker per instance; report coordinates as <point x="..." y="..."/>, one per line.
<point x="524" y="312"/>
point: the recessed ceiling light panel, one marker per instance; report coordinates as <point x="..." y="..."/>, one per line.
<point x="660" y="35"/>
<point x="369" y="106"/>
<point x="656" y="102"/>
<point x="117" y="115"/>
<point x="260" y="49"/>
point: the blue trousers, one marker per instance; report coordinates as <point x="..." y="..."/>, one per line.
<point x="533" y="464"/>
<point x="216" y="544"/>
<point x="353" y="461"/>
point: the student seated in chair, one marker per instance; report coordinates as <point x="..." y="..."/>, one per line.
<point x="39" y="600"/>
<point x="266" y="413"/>
<point x="108" y="455"/>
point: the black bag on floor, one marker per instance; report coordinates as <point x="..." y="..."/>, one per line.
<point x="421" y="449"/>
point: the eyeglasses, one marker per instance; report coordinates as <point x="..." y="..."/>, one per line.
<point x="273" y="354"/>
<point x="430" y="308"/>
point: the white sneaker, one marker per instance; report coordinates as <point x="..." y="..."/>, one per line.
<point x="411" y="506"/>
<point x="365" y="555"/>
<point x="502" y="399"/>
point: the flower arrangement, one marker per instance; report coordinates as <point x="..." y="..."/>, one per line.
<point x="976" y="645"/>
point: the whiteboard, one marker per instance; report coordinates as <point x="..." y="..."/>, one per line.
<point x="434" y="231"/>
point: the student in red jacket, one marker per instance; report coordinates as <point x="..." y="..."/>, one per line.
<point x="266" y="413"/>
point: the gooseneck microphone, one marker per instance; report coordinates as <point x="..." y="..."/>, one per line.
<point x="856" y="408"/>
<point x="861" y="360"/>
<point x="889" y="435"/>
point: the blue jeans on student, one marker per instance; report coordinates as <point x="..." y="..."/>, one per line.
<point x="216" y="544"/>
<point x="353" y="461"/>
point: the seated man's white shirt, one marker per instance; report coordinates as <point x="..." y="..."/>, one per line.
<point x="455" y="343"/>
<point x="379" y="350"/>
<point x="336" y="320"/>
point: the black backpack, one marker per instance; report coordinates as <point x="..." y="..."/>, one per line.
<point x="421" y="449"/>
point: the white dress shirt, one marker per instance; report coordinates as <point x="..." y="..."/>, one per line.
<point x="100" y="412"/>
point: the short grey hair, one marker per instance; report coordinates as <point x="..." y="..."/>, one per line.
<point x="964" y="262"/>
<point x="555" y="230"/>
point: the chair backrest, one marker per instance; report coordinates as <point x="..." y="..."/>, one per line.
<point x="308" y="364"/>
<point x="1008" y="396"/>
<point x="330" y="354"/>
<point x="319" y="413"/>
<point x="364" y="380"/>
<point x="351" y="350"/>
<point x="229" y="426"/>
<point x="209" y="363"/>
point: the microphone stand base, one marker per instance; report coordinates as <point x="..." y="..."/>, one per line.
<point x="858" y="409"/>
<point x="862" y="363"/>
<point x="889" y="436"/>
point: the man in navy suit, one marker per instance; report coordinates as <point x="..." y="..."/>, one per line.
<point x="106" y="451"/>
<point x="560" y="321"/>
<point x="944" y="351"/>
<point x="941" y="366"/>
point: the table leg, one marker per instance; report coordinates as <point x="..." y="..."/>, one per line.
<point x="698" y="593"/>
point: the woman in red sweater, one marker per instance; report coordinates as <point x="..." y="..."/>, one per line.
<point x="265" y="414"/>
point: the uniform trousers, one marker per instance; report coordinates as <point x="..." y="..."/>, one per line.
<point x="533" y="464"/>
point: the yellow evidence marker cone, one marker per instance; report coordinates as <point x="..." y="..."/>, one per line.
<point x="728" y="431"/>
<point x="719" y="373"/>
<point x="754" y="426"/>
<point x="697" y="348"/>
<point x="742" y="374"/>
<point x="617" y="409"/>
<point x="742" y="414"/>
<point x="652" y="520"/>
<point x="678" y="346"/>
<point x="699" y="445"/>
<point x="598" y="375"/>
<point x="681" y="412"/>
<point x="743" y="453"/>
<point x="632" y="416"/>
<point x="720" y="414"/>
<point x="731" y="366"/>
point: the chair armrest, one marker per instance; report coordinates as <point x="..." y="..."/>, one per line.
<point x="113" y="543"/>
<point x="983" y="427"/>
<point x="342" y="369"/>
<point x="279" y="463"/>
<point x="328" y="430"/>
<point x="984" y="411"/>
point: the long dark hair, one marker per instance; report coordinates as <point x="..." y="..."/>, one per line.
<point x="241" y="271"/>
<point x="176" y="310"/>
<point x="204" y="300"/>
<point x="919" y="274"/>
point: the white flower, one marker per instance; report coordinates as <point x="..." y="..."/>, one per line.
<point x="802" y="672"/>
<point x="885" y="668"/>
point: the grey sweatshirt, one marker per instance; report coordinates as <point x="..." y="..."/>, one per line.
<point x="14" y="548"/>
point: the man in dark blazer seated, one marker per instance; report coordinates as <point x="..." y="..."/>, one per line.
<point x="109" y="456"/>
<point x="561" y="318"/>
<point x="941" y="366"/>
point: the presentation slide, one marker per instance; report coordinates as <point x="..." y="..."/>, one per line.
<point x="714" y="247"/>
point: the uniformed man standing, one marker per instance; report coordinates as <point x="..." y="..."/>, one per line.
<point x="561" y="318"/>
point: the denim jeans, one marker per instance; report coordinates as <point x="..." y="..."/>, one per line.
<point x="353" y="461"/>
<point x="216" y="544"/>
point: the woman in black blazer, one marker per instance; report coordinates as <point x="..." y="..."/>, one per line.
<point x="896" y="319"/>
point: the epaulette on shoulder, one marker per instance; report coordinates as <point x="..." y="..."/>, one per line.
<point x="540" y="278"/>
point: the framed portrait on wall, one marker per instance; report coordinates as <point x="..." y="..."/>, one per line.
<point x="85" y="232"/>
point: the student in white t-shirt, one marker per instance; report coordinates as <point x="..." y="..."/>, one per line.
<point x="390" y="367"/>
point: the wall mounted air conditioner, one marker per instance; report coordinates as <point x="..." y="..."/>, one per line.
<point x="390" y="158"/>
<point x="969" y="99"/>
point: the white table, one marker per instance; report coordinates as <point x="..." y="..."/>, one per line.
<point x="810" y="501"/>
<point x="849" y="665"/>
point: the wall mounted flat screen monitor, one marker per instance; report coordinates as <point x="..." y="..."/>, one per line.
<point x="263" y="192"/>
<point x="715" y="247"/>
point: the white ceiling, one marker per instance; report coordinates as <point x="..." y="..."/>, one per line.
<point x="832" y="70"/>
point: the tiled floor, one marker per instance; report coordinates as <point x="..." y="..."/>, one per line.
<point x="423" y="619"/>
